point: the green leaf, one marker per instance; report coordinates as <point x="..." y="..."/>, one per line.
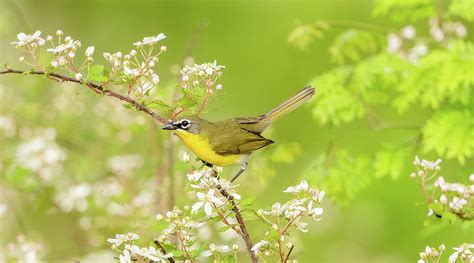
<point x="353" y="45"/>
<point x="248" y="201"/>
<point x="96" y="70"/>
<point x="177" y="253"/>
<point x="186" y="102"/>
<point x="224" y="228"/>
<point x="462" y="8"/>
<point x="159" y="105"/>
<point x="96" y="74"/>
<point x="450" y="134"/>
<point x="336" y="103"/>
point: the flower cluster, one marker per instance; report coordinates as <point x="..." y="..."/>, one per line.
<point x="74" y="198"/>
<point x="124" y="243"/>
<point x="406" y="44"/>
<point x="445" y="198"/>
<point x="462" y="252"/>
<point x="41" y="154"/>
<point x="446" y="30"/>
<point x="409" y="46"/>
<point x="432" y="255"/>
<point x="282" y="218"/>
<point x="207" y="74"/>
<point x="22" y="250"/>
<point x="135" y="70"/>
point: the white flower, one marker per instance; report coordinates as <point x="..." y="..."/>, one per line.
<point x="302" y="187"/>
<point x="408" y="32"/>
<point x="394" y="43"/>
<point x="316" y="213"/>
<point x="90" y="51"/>
<point x="256" y="248"/>
<point x="78" y="76"/>
<point x="74" y="198"/>
<point x="59" y="32"/>
<point x="460" y="29"/>
<point x="155" y="79"/>
<point x="122" y="238"/>
<point x="207" y="200"/>
<point x="41" y="154"/>
<point x="213" y="248"/>
<point x="443" y="199"/>
<point x="125" y="257"/>
<point x="219" y="87"/>
<point x="150" y="40"/>
<point x="186" y="157"/>
<point x="301" y="226"/>
<point x="163" y="48"/>
<point x="151" y="253"/>
<point x="437" y="34"/>
<point x="24" y="39"/>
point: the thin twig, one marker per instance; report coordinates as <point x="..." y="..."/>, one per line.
<point x="289" y="253"/>
<point x="100" y="89"/>
<point x="244" y="232"/>
<point x="163" y="250"/>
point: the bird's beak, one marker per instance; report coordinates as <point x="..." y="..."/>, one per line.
<point x="169" y="127"/>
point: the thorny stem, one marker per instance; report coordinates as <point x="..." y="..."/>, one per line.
<point x="98" y="88"/>
<point x="244" y="232"/>
<point x="163" y="250"/>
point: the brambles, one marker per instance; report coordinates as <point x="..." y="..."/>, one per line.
<point x="181" y="226"/>
<point x="446" y="200"/>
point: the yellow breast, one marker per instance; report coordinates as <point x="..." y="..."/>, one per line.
<point x="203" y="150"/>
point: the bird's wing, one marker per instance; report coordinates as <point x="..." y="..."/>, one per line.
<point x="229" y="138"/>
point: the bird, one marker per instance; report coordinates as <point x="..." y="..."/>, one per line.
<point x="231" y="141"/>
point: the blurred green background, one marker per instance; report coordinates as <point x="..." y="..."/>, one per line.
<point x="382" y="220"/>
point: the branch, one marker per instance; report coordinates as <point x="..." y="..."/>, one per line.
<point x="163" y="250"/>
<point x="289" y="253"/>
<point x="99" y="89"/>
<point x="244" y="232"/>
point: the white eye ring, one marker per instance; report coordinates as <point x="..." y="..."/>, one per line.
<point x="185" y="123"/>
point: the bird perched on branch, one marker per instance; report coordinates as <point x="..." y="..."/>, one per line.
<point x="231" y="141"/>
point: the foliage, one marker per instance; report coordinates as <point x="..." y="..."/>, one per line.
<point x="411" y="72"/>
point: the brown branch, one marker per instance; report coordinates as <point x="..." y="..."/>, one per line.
<point x="244" y="232"/>
<point x="289" y="253"/>
<point x="99" y="89"/>
<point x="163" y="250"/>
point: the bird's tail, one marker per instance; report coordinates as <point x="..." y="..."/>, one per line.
<point x="290" y="104"/>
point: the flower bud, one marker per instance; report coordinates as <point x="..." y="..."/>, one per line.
<point x="78" y="76"/>
<point x="59" y="33"/>
<point x="163" y="48"/>
<point x="22" y="59"/>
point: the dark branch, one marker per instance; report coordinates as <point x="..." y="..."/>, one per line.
<point x="244" y="232"/>
<point x="163" y="250"/>
<point x="289" y="253"/>
<point x="99" y="89"/>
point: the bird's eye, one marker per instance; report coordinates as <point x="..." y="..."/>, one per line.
<point x="184" y="124"/>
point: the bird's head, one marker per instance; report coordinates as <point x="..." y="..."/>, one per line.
<point x="189" y="124"/>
